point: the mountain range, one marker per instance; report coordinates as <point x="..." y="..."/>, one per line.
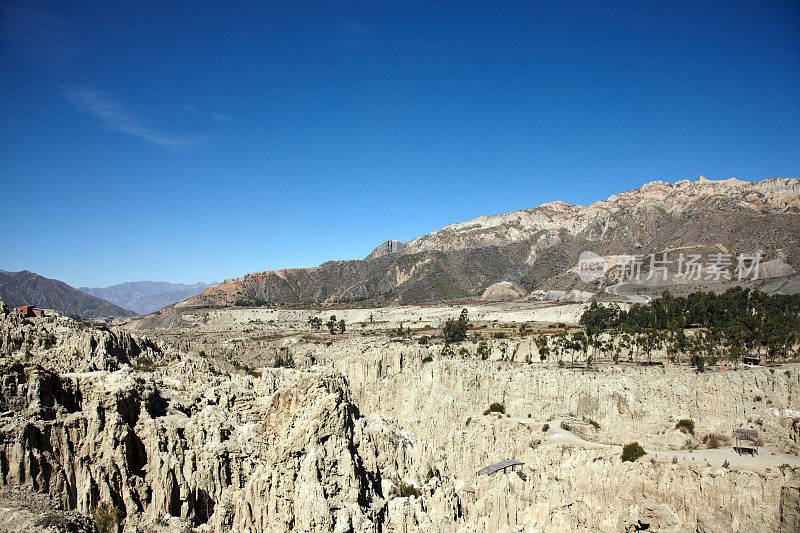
<point x="498" y="257"/>
<point x="510" y="255"/>
<point x="28" y="288"/>
<point x="145" y="297"/>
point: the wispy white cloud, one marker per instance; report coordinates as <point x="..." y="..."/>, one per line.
<point x="220" y="116"/>
<point x="115" y="117"/>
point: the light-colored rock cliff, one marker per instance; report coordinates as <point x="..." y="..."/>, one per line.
<point x="366" y="435"/>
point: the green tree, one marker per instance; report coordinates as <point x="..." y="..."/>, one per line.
<point x="455" y="330"/>
<point x="315" y="322"/>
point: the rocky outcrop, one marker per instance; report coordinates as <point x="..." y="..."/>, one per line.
<point x="391" y="246"/>
<point x="503" y="291"/>
<point x="790" y="508"/>
<point x="276" y="453"/>
<point x="68" y="345"/>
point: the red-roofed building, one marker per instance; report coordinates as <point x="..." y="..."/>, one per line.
<point x="29" y="311"/>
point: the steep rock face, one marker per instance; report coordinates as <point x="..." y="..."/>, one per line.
<point x="624" y="400"/>
<point x="267" y="454"/>
<point x="179" y="439"/>
<point x="538" y="247"/>
<point x="790" y="509"/>
<point x="447" y="440"/>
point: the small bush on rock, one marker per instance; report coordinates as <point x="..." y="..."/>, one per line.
<point x="483" y="350"/>
<point x="404" y="490"/>
<point x="685" y="425"/>
<point x="495" y="408"/>
<point x="714" y="440"/>
<point x="632" y="451"/>
<point x="107" y="517"/>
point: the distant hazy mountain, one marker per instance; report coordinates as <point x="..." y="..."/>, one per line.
<point x="146" y="297"/>
<point x="28" y="288"/>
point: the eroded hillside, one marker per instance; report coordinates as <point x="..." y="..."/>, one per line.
<point x="371" y="431"/>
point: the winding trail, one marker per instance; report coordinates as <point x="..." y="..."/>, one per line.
<point x="632" y="298"/>
<point x="767" y="457"/>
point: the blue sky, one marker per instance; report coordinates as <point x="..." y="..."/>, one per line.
<point x="188" y="141"/>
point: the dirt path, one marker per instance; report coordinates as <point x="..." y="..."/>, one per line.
<point x="767" y="457"/>
<point x="632" y="298"/>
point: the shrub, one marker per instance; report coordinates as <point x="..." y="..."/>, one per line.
<point x="284" y="362"/>
<point x="463" y="352"/>
<point x="483" y="350"/>
<point x="714" y="440"/>
<point x="315" y="323"/>
<point x="545" y="428"/>
<point x="495" y="408"/>
<point x="427" y="359"/>
<point x="404" y="490"/>
<point x="424" y="340"/>
<point x="52" y="520"/>
<point x="685" y="425"/>
<point x="144" y="363"/>
<point x="107" y="517"/>
<point x="632" y="451"/>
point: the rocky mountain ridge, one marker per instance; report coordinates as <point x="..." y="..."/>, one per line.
<point x="538" y="248"/>
<point x="772" y="196"/>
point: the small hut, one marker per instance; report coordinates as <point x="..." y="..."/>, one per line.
<point x="746" y="441"/>
<point x="29" y="311"/>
